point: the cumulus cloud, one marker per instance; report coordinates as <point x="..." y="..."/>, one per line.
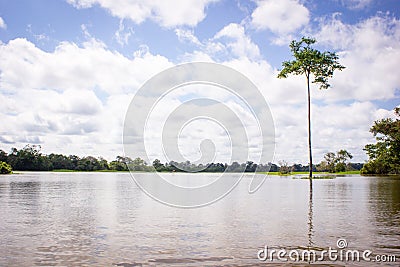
<point x="92" y="66"/>
<point x="72" y="99"/>
<point x="230" y="42"/>
<point x="238" y="43"/>
<point x="166" y="13"/>
<point x="336" y="124"/>
<point x="183" y="113"/>
<point x="57" y="98"/>
<point x="280" y="16"/>
<point x="370" y="50"/>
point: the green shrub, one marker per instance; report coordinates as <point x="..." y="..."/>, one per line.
<point x="5" y="168"/>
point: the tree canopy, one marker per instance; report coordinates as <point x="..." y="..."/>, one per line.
<point x="30" y="158"/>
<point x="384" y="156"/>
<point x="311" y="61"/>
<point x="336" y="162"/>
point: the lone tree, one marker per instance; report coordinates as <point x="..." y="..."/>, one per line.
<point x="309" y="61"/>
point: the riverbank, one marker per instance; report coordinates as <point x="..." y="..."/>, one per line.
<point x="267" y="173"/>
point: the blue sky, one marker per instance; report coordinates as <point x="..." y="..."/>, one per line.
<point x="47" y="23"/>
<point x="55" y="55"/>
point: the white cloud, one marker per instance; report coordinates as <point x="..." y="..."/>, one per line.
<point x="187" y="36"/>
<point x="85" y="31"/>
<point x="122" y="35"/>
<point x="41" y="103"/>
<point x="39" y="37"/>
<point x="92" y="66"/>
<point x="370" y="50"/>
<point x="172" y="105"/>
<point x="336" y="125"/>
<point x="3" y="25"/>
<point x="73" y="99"/>
<point x="280" y="16"/>
<point x="339" y="126"/>
<point x="230" y="42"/>
<point x="356" y="4"/>
<point x="238" y="43"/>
<point x="166" y="13"/>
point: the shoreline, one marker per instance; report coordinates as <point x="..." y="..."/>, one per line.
<point x="266" y="173"/>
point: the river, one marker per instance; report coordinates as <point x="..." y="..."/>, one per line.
<point x="104" y="219"/>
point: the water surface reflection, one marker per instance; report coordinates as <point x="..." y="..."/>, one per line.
<point x="75" y="219"/>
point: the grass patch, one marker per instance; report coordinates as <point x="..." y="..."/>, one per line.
<point x="349" y="172"/>
<point x="317" y="173"/>
<point x="320" y="177"/>
<point x="288" y="174"/>
<point x="66" y="170"/>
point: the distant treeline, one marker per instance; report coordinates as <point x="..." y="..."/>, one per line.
<point x="30" y="158"/>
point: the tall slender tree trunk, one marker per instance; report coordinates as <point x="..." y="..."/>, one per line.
<point x="310" y="217"/>
<point x="309" y="126"/>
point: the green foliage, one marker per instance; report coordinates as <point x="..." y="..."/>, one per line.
<point x="120" y="164"/>
<point x="322" y="177"/>
<point x="375" y="167"/>
<point x="187" y="166"/>
<point x="336" y="162"/>
<point x="5" y="168"/>
<point x="138" y="164"/>
<point x="90" y="163"/>
<point x="60" y="162"/>
<point x="251" y="166"/>
<point x="117" y="166"/>
<point x="29" y="159"/>
<point x="284" y="168"/>
<point x="384" y="156"/>
<point x="3" y="156"/>
<point x="311" y="61"/>
<point x="330" y="159"/>
<point x="235" y="167"/>
<point x="341" y="157"/>
<point x="158" y="166"/>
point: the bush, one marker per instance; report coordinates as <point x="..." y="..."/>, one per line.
<point x="375" y="167"/>
<point x="5" y="168"/>
<point x="284" y="168"/>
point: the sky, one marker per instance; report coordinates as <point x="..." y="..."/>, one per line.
<point x="69" y="68"/>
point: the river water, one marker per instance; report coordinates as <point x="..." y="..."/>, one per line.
<point x="104" y="219"/>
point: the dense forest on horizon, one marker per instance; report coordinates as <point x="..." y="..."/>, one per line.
<point x="30" y="158"/>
